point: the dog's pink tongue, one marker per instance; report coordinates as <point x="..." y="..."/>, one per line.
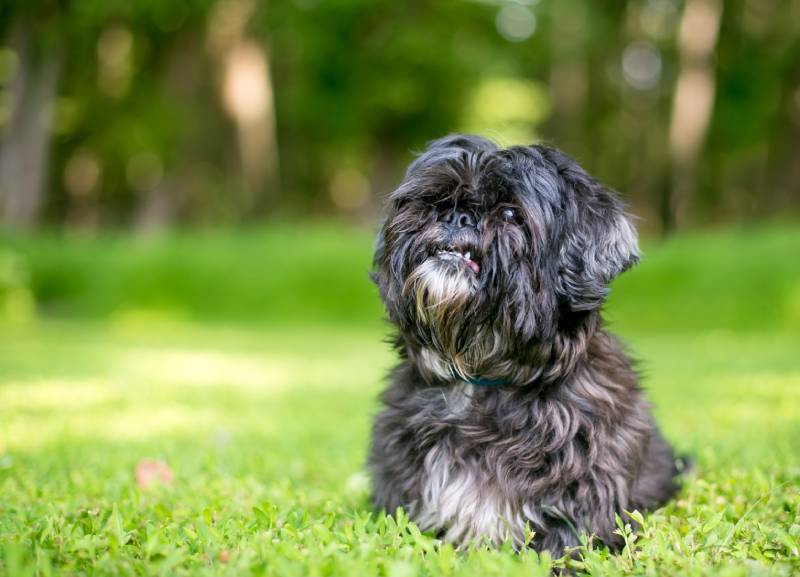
<point x="473" y="265"/>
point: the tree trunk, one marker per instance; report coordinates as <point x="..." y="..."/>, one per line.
<point x="692" y="105"/>
<point x="245" y="85"/>
<point x="24" y="150"/>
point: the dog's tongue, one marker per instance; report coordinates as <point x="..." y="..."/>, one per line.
<point x="473" y="265"/>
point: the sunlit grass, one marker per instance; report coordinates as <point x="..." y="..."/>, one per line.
<point x="185" y="382"/>
<point x="266" y="433"/>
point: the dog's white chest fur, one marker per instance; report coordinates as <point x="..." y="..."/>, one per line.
<point x="462" y="501"/>
<point x="465" y="507"/>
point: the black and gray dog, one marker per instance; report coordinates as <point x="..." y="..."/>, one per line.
<point x="512" y="406"/>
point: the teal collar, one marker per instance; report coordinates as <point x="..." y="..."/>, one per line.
<point x="481" y="382"/>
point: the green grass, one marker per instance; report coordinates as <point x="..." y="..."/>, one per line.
<point x="264" y="419"/>
<point x="280" y="274"/>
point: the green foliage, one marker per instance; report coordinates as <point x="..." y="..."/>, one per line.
<point x="16" y="302"/>
<point x="357" y="86"/>
<point x="283" y="273"/>
<point x="744" y="278"/>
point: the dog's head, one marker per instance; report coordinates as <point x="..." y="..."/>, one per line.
<point x="493" y="261"/>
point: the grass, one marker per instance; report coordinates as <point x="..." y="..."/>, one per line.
<point x="263" y="420"/>
<point x="282" y="274"/>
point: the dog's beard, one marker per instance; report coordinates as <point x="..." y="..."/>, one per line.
<point x="445" y="292"/>
<point x="442" y="287"/>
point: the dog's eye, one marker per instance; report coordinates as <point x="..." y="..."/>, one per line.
<point x="509" y="215"/>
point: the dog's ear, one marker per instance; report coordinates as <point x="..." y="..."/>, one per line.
<point x="597" y="241"/>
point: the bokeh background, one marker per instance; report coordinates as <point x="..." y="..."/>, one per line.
<point x="135" y="119"/>
<point x="151" y="114"/>
<point x="189" y="191"/>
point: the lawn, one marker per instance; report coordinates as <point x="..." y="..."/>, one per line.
<point x="247" y="366"/>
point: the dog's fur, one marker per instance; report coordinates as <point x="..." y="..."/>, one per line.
<point x="512" y="407"/>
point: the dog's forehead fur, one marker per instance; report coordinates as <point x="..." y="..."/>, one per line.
<point x="482" y="178"/>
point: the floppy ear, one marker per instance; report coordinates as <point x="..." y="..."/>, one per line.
<point x="597" y="240"/>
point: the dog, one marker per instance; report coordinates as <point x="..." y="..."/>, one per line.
<point x="513" y="415"/>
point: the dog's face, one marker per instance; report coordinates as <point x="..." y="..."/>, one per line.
<point x="493" y="261"/>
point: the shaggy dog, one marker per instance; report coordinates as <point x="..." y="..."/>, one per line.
<point x="512" y="408"/>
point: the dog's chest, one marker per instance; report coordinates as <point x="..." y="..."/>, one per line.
<point x="463" y="498"/>
<point x="464" y="504"/>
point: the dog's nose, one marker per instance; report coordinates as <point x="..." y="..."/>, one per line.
<point x="461" y="219"/>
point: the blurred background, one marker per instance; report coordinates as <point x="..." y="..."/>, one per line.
<point x="160" y="154"/>
<point x="142" y="114"/>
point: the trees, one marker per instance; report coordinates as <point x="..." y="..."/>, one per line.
<point x="148" y="113"/>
